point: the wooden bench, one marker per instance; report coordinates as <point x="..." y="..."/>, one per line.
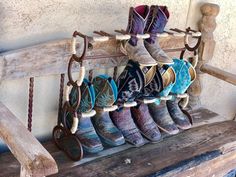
<point x="208" y="149"/>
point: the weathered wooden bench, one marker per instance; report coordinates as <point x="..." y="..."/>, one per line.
<point x="208" y="149"/>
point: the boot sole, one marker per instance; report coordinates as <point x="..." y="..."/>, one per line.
<point x="135" y="144"/>
<point x="184" y="127"/>
<point x="92" y="150"/>
<point x="151" y="140"/>
<point x="109" y="142"/>
<point x="168" y="132"/>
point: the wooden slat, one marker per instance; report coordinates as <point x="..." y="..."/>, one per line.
<point x="52" y="57"/>
<point x="44" y="59"/>
<point x="218" y="73"/>
<point x="201" y="116"/>
<point x="33" y="157"/>
<point x="206" y="165"/>
<point x="175" y="150"/>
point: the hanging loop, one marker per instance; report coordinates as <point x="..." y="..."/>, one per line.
<point x="75" y="58"/>
<point x="73" y="45"/>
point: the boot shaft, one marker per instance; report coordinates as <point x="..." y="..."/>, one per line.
<point x="105" y="91"/>
<point x="137" y="21"/>
<point x="130" y="82"/>
<point x="156" y="22"/>
<point x="185" y="75"/>
<point x="87" y="96"/>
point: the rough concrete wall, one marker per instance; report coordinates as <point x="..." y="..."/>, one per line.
<point x="28" y="22"/>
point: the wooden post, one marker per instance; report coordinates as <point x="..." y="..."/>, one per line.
<point x="207" y="25"/>
<point x="35" y="160"/>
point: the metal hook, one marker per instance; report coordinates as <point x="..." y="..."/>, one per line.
<point x="187" y="46"/>
<point x="81" y="58"/>
<point x="194" y="60"/>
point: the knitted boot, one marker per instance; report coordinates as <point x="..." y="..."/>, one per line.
<point x="106" y="94"/>
<point x="145" y="123"/>
<point x="185" y="75"/>
<point x="156" y="23"/>
<point x="134" y="47"/>
<point x="130" y="83"/>
<point x="158" y="110"/>
<point x="85" y="131"/>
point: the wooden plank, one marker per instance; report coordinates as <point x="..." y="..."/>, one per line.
<point x="152" y="158"/>
<point x="52" y="57"/>
<point x="216" y="167"/>
<point x="218" y="73"/>
<point x="182" y="166"/>
<point x="33" y="157"/>
<point x="201" y="116"/>
<point x="42" y="59"/>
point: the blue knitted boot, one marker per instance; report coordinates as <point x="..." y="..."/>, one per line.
<point x="85" y="132"/>
<point x="185" y="75"/>
<point x="106" y="95"/>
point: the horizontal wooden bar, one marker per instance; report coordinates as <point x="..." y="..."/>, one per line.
<point x="218" y="73"/>
<point x="52" y="57"/>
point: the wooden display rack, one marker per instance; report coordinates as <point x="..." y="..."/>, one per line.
<point x="205" y="150"/>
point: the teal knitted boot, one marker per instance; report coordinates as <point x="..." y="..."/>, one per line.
<point x="158" y="110"/>
<point x="106" y="94"/>
<point x="85" y="131"/>
<point x="185" y="75"/>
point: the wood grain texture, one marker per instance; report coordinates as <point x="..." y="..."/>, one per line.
<point x="52" y="57"/>
<point x="152" y="158"/>
<point x="177" y="145"/>
<point x="206" y="165"/>
<point x="218" y="73"/>
<point x="32" y="156"/>
<point x="216" y="167"/>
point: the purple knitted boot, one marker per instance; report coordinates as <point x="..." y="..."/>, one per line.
<point x="124" y="122"/>
<point x="134" y="47"/>
<point x="156" y="23"/>
<point x="145" y="122"/>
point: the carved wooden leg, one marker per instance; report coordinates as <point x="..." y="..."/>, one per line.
<point x="207" y="26"/>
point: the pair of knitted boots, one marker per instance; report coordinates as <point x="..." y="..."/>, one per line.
<point x="142" y="80"/>
<point x="95" y="125"/>
<point x="147" y="119"/>
<point x="167" y="114"/>
<point x="146" y="20"/>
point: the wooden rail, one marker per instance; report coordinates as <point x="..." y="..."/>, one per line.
<point x="52" y="57"/>
<point x="218" y="73"/>
<point x="33" y="157"/>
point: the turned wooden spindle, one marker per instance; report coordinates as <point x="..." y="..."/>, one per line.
<point x="206" y="25"/>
